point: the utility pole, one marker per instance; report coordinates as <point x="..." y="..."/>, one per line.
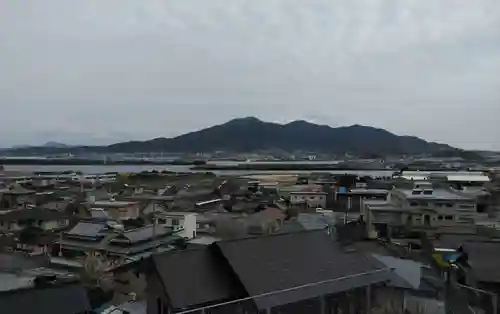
<point x="154" y="219"/>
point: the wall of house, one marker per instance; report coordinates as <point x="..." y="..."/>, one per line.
<point x="128" y="282"/>
<point x="434" y="213"/>
<point x="421" y="305"/>
<point x="189" y="226"/>
<point x="187" y="222"/>
<point x="10" y="226"/>
<point x="155" y="296"/>
<point x="54" y="224"/>
<point x="388" y="298"/>
<point x="124" y="213"/>
<point x="312" y="200"/>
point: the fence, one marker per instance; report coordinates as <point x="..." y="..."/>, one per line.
<point x="348" y="294"/>
<point x="478" y="301"/>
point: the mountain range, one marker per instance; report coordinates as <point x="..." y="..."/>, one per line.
<point x="251" y="134"/>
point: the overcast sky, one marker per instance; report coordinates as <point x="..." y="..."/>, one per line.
<point x="102" y="71"/>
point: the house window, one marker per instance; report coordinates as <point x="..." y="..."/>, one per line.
<point x="414" y="204"/>
<point x="466" y="205"/>
<point x="448" y="217"/>
<point x="62" y="222"/>
<point x="175" y="222"/>
<point x="440" y="217"/>
<point x="162" y="221"/>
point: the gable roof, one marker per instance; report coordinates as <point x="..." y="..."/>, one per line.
<point x="61" y="299"/>
<point x="144" y="233"/>
<point x="88" y="229"/>
<point x="32" y="213"/>
<point x="284" y="261"/>
<point x="211" y="282"/>
<point x="484" y="258"/>
<point x="407" y="272"/>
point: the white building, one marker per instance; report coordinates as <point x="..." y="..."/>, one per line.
<point x="185" y="222"/>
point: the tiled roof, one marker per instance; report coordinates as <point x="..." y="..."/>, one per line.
<point x="272" y="263"/>
<point x="59" y="299"/>
<point x="32" y="213"/>
<point x="145" y="233"/>
<point x="210" y="283"/>
<point x="88" y="229"/>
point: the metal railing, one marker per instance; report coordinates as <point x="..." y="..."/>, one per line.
<point x="479" y="301"/>
<point x="323" y="305"/>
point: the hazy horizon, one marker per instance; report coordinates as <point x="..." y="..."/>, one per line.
<point x="92" y="72"/>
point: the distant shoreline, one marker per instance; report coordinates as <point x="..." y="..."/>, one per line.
<point x="284" y="167"/>
<point x="93" y="162"/>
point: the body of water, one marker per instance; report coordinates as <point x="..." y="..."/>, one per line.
<point x="94" y="169"/>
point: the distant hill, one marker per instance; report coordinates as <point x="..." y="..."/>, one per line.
<point x="251" y="134"/>
<point x="55" y="145"/>
<point x="48" y="145"/>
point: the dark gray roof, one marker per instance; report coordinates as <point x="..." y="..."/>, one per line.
<point x="60" y="299"/>
<point x="209" y="281"/>
<point x="19" y="261"/>
<point x="32" y="213"/>
<point x="484" y="258"/>
<point x="145" y="233"/>
<point x="453" y="241"/>
<point x="120" y="249"/>
<point x="87" y="229"/>
<point x="277" y="262"/>
<point x="291" y="226"/>
<point x="406" y="273"/>
<point x="315" y="221"/>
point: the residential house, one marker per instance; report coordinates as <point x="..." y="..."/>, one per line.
<point x="45" y="219"/>
<point x="121" y="210"/>
<point x="184" y="223"/>
<point x="15" y="195"/>
<point x="113" y="245"/>
<point x="264" y="222"/>
<point x="27" y="286"/>
<point x="310" y="199"/>
<point x="414" y="287"/>
<point x="352" y="200"/>
<point x="474" y="279"/>
<point x="421" y="208"/>
<point x="303" y="272"/>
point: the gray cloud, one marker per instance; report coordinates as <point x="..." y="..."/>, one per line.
<point x="93" y="71"/>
